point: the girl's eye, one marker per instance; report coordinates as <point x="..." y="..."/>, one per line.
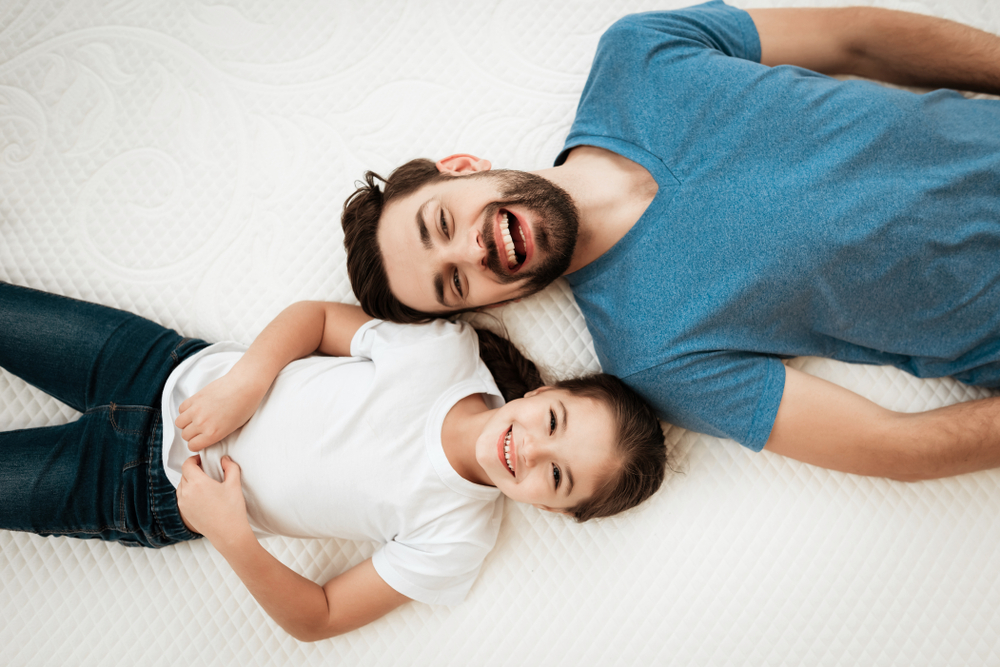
<point x="444" y="225"/>
<point x="457" y="282"/>
<point x="557" y="476"/>
<point x="552" y="422"/>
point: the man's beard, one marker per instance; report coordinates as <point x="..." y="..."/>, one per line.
<point x="554" y="234"/>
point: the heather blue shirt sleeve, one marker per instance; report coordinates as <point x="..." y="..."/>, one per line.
<point x="713" y="26"/>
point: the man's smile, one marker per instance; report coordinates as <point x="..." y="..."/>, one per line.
<point x="510" y="242"/>
<point x="514" y="239"/>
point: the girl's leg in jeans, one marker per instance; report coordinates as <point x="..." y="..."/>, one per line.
<point x="89" y="478"/>
<point x="68" y="479"/>
<point x="66" y="347"/>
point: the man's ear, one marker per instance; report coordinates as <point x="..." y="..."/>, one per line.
<point x="532" y="393"/>
<point x="461" y="164"/>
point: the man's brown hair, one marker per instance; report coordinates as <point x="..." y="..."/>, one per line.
<point x="365" y="266"/>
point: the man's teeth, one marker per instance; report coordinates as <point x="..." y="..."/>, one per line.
<point x="508" y="242"/>
<point x="506" y="451"/>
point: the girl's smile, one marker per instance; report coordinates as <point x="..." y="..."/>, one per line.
<point x="505" y="452"/>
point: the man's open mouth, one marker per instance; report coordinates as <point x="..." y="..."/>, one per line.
<point x="512" y="234"/>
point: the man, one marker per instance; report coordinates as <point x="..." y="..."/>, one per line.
<point x="715" y="213"/>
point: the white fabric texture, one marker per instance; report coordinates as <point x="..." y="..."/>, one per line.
<point x="350" y="447"/>
<point x="189" y="161"/>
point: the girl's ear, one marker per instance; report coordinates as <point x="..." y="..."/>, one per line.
<point x="536" y="391"/>
<point x="461" y="164"/>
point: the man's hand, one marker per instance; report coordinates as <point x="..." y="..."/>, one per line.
<point x="216" y="510"/>
<point x="217" y="410"/>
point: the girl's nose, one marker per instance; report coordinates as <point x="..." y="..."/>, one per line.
<point x="529" y="451"/>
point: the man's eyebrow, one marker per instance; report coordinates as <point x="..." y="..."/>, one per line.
<point x="425" y="240"/>
<point x="425" y="237"/>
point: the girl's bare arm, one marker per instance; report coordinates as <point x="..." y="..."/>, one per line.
<point x="305" y="610"/>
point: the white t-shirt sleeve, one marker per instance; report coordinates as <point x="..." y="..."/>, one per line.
<point x="416" y="570"/>
<point x="364" y="339"/>
<point x="377" y="337"/>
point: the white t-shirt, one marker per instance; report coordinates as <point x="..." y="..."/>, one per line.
<point x="350" y="447"/>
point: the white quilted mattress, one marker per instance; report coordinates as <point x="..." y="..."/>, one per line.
<point x="188" y="161"/>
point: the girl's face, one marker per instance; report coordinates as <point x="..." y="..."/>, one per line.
<point x="551" y="449"/>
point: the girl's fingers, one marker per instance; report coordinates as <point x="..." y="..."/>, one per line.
<point x="183" y="419"/>
<point x="191" y="468"/>
<point x="191" y="432"/>
<point x="230" y="470"/>
<point x="197" y="443"/>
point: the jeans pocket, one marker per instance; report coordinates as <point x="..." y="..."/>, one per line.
<point x="132" y="426"/>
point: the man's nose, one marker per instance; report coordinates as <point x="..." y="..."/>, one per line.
<point x="474" y="248"/>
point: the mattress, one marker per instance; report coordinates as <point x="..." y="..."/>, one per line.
<point x="188" y="161"/>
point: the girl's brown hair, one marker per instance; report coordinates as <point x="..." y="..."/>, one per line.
<point x="642" y="454"/>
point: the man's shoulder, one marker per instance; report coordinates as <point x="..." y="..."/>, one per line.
<point x="626" y="33"/>
<point x="711" y="25"/>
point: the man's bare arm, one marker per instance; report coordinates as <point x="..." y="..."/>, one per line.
<point x="826" y="425"/>
<point x="892" y="46"/>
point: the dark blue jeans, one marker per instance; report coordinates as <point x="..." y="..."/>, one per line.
<point x="100" y="476"/>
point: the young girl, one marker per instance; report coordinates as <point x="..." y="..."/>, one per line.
<point x="401" y="436"/>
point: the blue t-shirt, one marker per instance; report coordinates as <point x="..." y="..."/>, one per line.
<point x="796" y="215"/>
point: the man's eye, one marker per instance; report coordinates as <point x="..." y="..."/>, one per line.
<point x="556" y="475"/>
<point x="552" y="422"/>
<point x="457" y="282"/>
<point x="444" y="225"/>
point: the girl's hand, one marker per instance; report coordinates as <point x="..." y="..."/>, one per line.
<point x="226" y="404"/>
<point x="216" y="510"/>
<point x="217" y="410"/>
<point x="306" y="610"/>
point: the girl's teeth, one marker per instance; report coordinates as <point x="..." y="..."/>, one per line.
<point x="506" y="451"/>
